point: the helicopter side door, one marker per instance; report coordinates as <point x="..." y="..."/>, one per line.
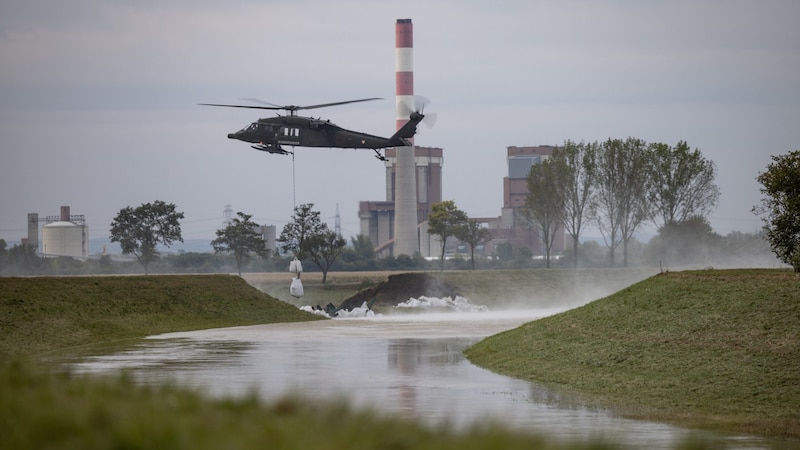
<point x="289" y="135"/>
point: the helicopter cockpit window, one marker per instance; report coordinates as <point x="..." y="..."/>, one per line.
<point x="253" y="126"/>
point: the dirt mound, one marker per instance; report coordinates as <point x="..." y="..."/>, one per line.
<point x="399" y="288"/>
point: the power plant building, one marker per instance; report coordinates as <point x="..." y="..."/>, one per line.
<point x="377" y="218"/>
<point x="511" y="228"/>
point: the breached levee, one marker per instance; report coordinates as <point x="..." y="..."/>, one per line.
<point x="405" y="292"/>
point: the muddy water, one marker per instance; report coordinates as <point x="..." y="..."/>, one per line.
<point x="408" y="365"/>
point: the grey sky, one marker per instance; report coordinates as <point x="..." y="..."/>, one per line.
<point x="98" y="98"/>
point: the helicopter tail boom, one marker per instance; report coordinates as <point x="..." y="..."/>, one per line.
<point x="407" y="131"/>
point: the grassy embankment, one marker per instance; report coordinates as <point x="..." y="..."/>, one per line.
<point x="40" y="408"/>
<point x="38" y="315"/>
<point x="711" y="349"/>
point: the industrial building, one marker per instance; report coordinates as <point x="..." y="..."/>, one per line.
<point x="377" y="217"/>
<point x="62" y="235"/>
<point x="510" y="227"/>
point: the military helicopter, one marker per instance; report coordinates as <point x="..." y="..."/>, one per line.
<point x="270" y="134"/>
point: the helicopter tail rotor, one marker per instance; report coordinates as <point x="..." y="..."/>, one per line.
<point x="420" y="103"/>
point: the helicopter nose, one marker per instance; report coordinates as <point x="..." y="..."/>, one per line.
<point x="231" y="135"/>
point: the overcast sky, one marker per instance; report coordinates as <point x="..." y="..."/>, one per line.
<point x="98" y="99"/>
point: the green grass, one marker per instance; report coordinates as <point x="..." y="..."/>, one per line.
<point x="50" y="313"/>
<point x="717" y="349"/>
<point x="40" y="409"/>
<point x="711" y="349"/>
<point x="540" y="288"/>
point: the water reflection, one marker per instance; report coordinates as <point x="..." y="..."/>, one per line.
<point x="409" y="366"/>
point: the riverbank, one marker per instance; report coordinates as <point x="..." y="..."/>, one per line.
<point x="716" y="349"/>
<point x="43" y="314"/>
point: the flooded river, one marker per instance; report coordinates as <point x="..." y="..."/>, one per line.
<point x="409" y="365"/>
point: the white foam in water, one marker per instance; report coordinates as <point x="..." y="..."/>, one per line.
<point x="460" y="304"/>
<point x="362" y="311"/>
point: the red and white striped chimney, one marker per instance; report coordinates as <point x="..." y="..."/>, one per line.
<point x="406" y="239"/>
<point x="404" y="69"/>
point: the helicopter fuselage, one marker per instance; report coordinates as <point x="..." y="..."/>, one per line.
<point x="270" y="134"/>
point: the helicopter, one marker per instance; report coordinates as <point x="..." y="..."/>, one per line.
<point x="270" y="134"/>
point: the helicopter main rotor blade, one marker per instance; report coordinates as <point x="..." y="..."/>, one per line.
<point x="244" y="106"/>
<point x="323" y="105"/>
<point x="274" y="107"/>
<point x="258" y="100"/>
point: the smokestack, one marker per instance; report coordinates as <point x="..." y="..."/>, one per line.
<point x="406" y="239"/>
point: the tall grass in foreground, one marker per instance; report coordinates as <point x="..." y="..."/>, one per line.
<point x="40" y="409"/>
<point x="716" y="349"/>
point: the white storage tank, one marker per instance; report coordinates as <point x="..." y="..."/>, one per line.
<point x="65" y="238"/>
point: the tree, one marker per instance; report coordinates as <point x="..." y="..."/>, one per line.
<point x="781" y="204"/>
<point x="3" y="256"/>
<point x="296" y="235"/>
<point x="240" y="238"/>
<point x="474" y="235"/>
<point x="360" y="255"/>
<point x="689" y="241"/>
<point x="363" y="247"/>
<point x="445" y="220"/>
<point x="325" y="248"/>
<point x="306" y="236"/>
<point x="605" y="203"/>
<point x="139" y="230"/>
<point x="621" y="200"/>
<point x="544" y="206"/>
<point x="576" y="164"/>
<point x="682" y="184"/>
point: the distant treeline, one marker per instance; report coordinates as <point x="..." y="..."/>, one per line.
<point x="671" y="249"/>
